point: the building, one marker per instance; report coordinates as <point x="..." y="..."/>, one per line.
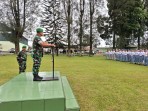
<point x="6" y="45"/>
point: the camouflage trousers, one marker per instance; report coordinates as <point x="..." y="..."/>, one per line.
<point x="36" y="64"/>
<point x="22" y="66"/>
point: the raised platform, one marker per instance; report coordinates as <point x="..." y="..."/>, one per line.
<point x="23" y="94"/>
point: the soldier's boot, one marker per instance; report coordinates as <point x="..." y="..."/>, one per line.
<point x="37" y="77"/>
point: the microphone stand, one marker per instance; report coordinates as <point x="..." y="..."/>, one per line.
<point x="53" y="78"/>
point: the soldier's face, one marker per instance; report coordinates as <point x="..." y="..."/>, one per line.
<point x="24" y="49"/>
<point x="41" y="33"/>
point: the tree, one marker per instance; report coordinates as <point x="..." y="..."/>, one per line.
<point x="81" y="32"/>
<point x="92" y="10"/>
<point x="127" y="16"/>
<point x="103" y="27"/>
<point x="145" y="2"/>
<point x="114" y="12"/>
<point x="68" y="14"/>
<point x="136" y="18"/>
<point x="52" y="21"/>
<point x="17" y="18"/>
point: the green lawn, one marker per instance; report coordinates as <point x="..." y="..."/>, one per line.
<point x="98" y="84"/>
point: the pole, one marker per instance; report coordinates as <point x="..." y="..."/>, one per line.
<point x="53" y="78"/>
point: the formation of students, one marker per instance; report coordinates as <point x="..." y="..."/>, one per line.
<point x="132" y="56"/>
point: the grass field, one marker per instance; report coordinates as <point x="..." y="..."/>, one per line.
<point x="98" y="84"/>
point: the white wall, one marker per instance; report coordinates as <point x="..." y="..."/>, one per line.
<point x="6" y="45"/>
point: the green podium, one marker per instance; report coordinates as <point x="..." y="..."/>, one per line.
<point x="23" y="94"/>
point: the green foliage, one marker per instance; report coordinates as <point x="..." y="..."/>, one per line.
<point x="127" y="16"/>
<point x="103" y="27"/>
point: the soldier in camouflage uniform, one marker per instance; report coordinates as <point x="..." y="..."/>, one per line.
<point x="38" y="45"/>
<point x="22" y="58"/>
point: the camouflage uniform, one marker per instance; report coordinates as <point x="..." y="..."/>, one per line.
<point x="37" y="54"/>
<point x="22" y="58"/>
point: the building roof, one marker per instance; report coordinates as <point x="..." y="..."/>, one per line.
<point x="22" y="40"/>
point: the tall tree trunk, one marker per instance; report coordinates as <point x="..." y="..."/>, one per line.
<point x="55" y="34"/>
<point x="122" y="42"/>
<point x="69" y="25"/>
<point x="57" y="49"/>
<point x="138" y="42"/>
<point x="18" y="28"/>
<point x="24" y="19"/>
<point x="91" y="4"/>
<point x="17" y="46"/>
<point x="82" y="3"/>
<point x="138" y="37"/>
<point x="90" y="52"/>
<point x="114" y="41"/>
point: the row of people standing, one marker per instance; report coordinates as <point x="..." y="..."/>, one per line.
<point x="132" y="56"/>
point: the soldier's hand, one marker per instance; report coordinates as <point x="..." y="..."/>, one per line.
<point x="52" y="45"/>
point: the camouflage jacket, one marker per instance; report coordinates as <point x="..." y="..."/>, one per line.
<point x="22" y="56"/>
<point x="37" y="48"/>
